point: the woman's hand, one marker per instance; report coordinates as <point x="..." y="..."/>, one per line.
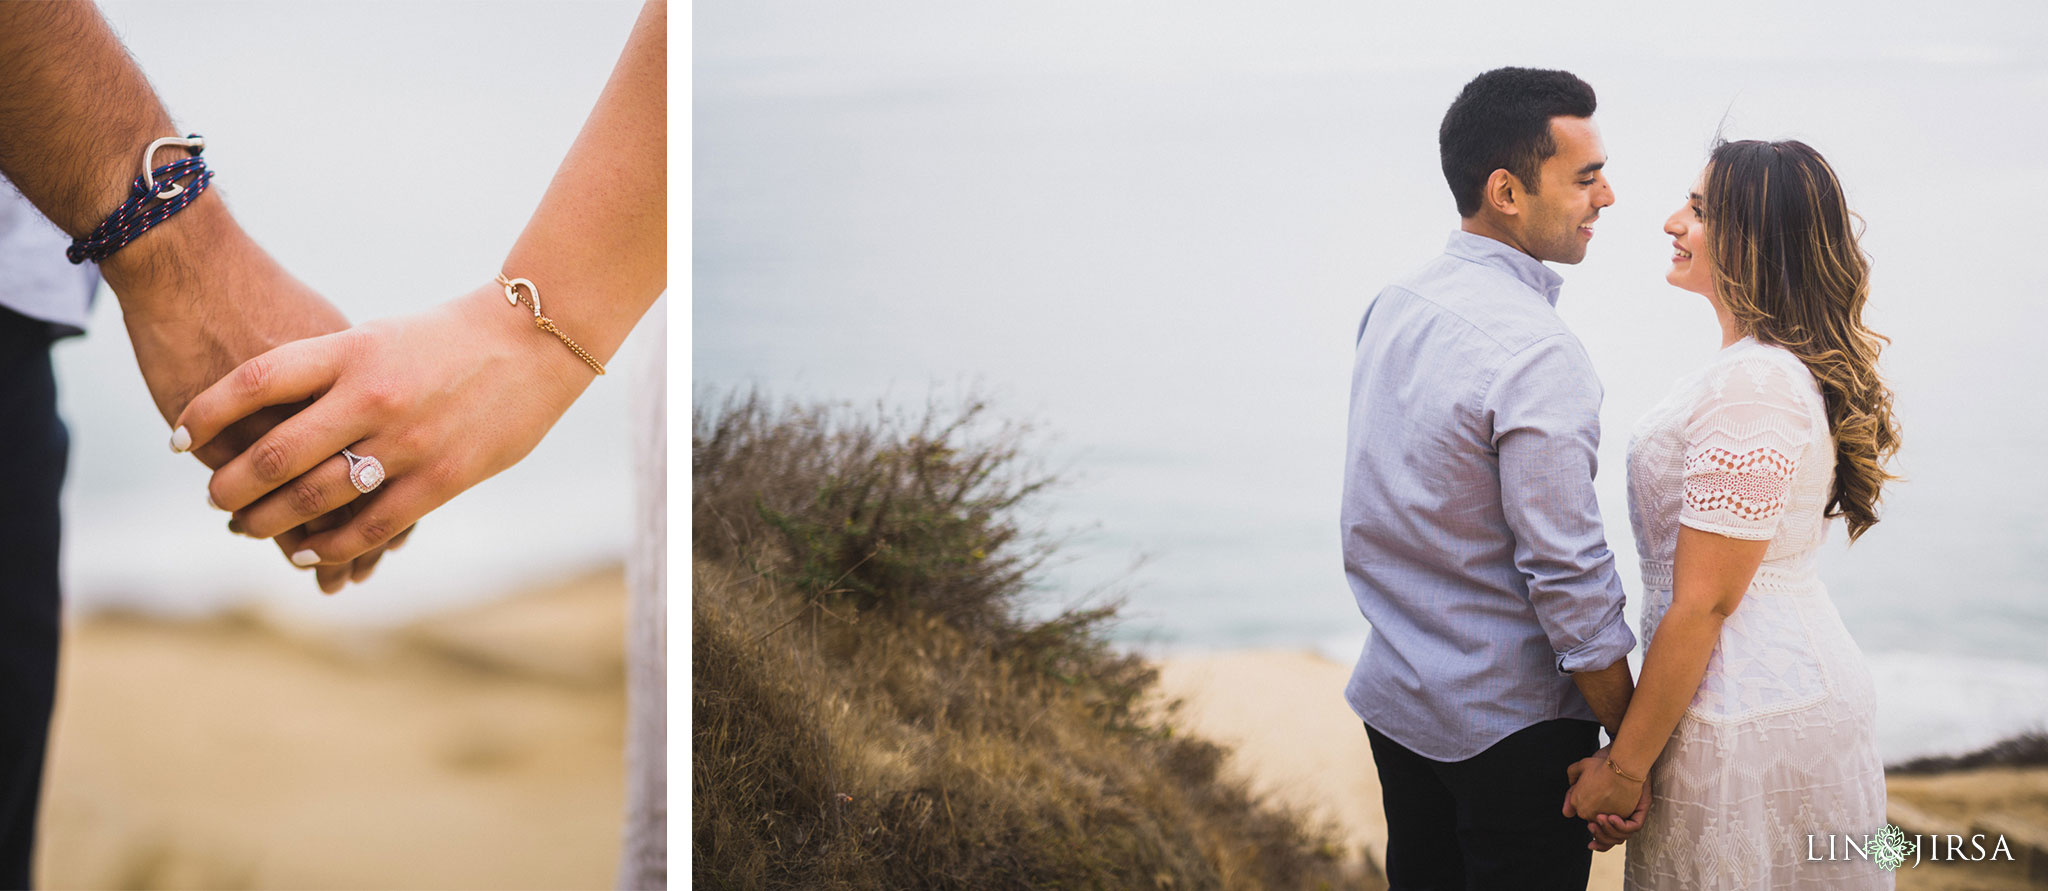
<point x="200" y="297"/>
<point x="443" y="400"/>
<point x="1599" y="796"/>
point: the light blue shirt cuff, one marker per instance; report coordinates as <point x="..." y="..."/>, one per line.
<point x="1607" y="646"/>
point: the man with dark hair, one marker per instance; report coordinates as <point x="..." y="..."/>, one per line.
<point x="1472" y="539"/>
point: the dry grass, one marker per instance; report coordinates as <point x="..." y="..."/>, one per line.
<point x="870" y="711"/>
<point x="2029" y="749"/>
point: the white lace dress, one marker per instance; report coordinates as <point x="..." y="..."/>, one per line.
<point x="1779" y="743"/>
<point x="643" y="857"/>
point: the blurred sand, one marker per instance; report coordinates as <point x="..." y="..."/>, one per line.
<point x="1283" y="712"/>
<point x="477" y="749"/>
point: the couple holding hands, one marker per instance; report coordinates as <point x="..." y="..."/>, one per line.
<point x="331" y="440"/>
<point x="1473" y="542"/>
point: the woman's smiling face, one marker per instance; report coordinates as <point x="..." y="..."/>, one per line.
<point x="1687" y="228"/>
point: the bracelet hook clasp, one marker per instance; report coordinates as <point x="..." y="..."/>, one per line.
<point x="512" y="286"/>
<point x="171" y="190"/>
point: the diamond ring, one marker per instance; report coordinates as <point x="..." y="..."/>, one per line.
<point x="365" y="472"/>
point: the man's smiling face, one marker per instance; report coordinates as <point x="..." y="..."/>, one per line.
<point x="1557" y="219"/>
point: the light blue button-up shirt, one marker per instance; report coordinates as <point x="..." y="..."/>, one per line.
<point x="1472" y="539"/>
<point x="35" y="279"/>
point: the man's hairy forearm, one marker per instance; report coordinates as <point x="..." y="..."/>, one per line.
<point x="75" y="111"/>
<point x="1608" y="691"/>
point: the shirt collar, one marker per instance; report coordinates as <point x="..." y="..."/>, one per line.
<point x="1526" y="269"/>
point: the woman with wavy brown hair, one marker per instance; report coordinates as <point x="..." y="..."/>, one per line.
<point x="1753" y="723"/>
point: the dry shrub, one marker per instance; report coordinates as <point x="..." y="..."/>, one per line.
<point x="870" y="711"/>
<point x="888" y="512"/>
<point x="872" y="513"/>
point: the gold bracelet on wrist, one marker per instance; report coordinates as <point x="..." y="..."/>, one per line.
<point x="1621" y="773"/>
<point x="512" y="295"/>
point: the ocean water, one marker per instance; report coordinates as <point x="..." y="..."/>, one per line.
<point x="388" y="154"/>
<point x="1151" y="228"/>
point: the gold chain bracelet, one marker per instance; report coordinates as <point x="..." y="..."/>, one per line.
<point x="512" y="286"/>
<point x="1621" y="773"/>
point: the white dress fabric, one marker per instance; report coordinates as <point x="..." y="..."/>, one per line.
<point x="643" y="856"/>
<point x="1779" y="743"/>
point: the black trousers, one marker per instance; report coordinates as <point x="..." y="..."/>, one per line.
<point x="1492" y="821"/>
<point x="33" y="443"/>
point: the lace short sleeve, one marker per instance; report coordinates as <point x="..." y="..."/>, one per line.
<point x="1744" y="443"/>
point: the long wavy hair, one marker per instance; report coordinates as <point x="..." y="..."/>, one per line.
<point x="1787" y="267"/>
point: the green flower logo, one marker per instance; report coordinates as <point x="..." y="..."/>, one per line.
<point x="1890" y="848"/>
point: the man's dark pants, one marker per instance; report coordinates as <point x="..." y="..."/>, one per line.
<point x="1492" y="821"/>
<point x="32" y="456"/>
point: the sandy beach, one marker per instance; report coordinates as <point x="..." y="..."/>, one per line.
<point x="475" y="749"/>
<point x="482" y="749"/>
<point x="1293" y="737"/>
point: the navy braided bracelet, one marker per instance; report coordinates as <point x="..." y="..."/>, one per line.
<point x="153" y="198"/>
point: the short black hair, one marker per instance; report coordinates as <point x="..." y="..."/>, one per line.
<point x="1501" y="120"/>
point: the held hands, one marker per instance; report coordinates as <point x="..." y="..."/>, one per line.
<point x="1598" y="795"/>
<point x="443" y="400"/>
<point x="447" y="398"/>
<point x="181" y="344"/>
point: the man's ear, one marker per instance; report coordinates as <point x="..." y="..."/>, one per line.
<point x="1503" y="192"/>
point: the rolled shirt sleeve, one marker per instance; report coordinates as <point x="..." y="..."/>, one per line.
<point x="1543" y="407"/>
<point x="35" y="279"/>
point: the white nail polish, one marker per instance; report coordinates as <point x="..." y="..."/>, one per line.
<point x="305" y="558"/>
<point x="181" y="440"/>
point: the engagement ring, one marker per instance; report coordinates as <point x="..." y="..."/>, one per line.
<point x="365" y="472"/>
